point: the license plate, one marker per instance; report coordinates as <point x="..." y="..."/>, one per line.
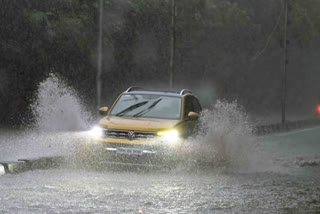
<point x="129" y="151"/>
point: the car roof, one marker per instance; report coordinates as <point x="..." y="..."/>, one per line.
<point x="154" y="93"/>
<point x="138" y="90"/>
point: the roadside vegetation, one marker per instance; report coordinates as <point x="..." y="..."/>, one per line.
<point x="232" y="47"/>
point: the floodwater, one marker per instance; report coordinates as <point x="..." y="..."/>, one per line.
<point x="289" y="183"/>
<point x="271" y="174"/>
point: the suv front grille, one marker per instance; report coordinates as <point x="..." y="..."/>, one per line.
<point x="136" y="146"/>
<point x="125" y="134"/>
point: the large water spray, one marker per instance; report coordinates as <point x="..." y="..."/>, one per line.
<point x="59" y="120"/>
<point x="58" y="108"/>
<point x="225" y="138"/>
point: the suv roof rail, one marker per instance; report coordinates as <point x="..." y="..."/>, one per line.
<point x="133" y="88"/>
<point x="185" y="91"/>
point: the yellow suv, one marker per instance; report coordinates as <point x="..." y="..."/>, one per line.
<point x="145" y="127"/>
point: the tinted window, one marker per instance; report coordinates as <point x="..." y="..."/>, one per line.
<point x="188" y="105"/>
<point x="192" y="104"/>
<point x="196" y="105"/>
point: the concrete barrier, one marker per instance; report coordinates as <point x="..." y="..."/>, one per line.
<point x="285" y="127"/>
<point x="22" y="165"/>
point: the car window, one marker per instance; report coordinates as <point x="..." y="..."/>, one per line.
<point x="148" y="105"/>
<point x="188" y="105"/>
<point x="196" y="105"/>
<point x="192" y="104"/>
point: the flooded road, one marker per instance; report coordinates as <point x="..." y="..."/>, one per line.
<point x="288" y="183"/>
<point x="67" y="191"/>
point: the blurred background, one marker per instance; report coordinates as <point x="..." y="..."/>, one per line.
<point x="225" y="49"/>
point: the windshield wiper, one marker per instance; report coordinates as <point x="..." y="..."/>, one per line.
<point x="130" y="108"/>
<point x="147" y="109"/>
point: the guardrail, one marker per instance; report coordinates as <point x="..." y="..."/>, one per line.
<point x="285" y="127"/>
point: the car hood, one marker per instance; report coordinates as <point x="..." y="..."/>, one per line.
<point x="138" y="124"/>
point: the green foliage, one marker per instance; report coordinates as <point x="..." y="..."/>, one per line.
<point x="36" y="17"/>
<point x="303" y="21"/>
<point x="216" y="41"/>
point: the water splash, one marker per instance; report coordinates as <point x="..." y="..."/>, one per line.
<point x="226" y="138"/>
<point x="59" y="119"/>
<point x="58" y="108"/>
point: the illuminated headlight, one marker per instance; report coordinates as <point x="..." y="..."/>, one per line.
<point x="171" y="136"/>
<point x="96" y="132"/>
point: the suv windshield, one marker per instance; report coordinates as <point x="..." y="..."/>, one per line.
<point x="148" y="105"/>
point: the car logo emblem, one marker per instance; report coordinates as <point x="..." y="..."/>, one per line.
<point x="131" y="135"/>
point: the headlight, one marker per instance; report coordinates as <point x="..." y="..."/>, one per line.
<point x="171" y="136"/>
<point x="96" y="131"/>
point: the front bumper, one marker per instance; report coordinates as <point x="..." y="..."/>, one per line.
<point x="131" y="152"/>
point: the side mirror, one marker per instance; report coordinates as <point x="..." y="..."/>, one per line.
<point x="193" y="115"/>
<point x="103" y="111"/>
